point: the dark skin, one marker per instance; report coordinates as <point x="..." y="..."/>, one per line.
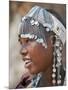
<point x="41" y="57"/>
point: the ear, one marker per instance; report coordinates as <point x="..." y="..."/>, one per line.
<point x="52" y="39"/>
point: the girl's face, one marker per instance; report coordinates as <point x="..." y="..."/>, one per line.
<point x="36" y="57"/>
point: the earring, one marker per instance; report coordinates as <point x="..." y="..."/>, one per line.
<point x="54" y="68"/>
<point x="57" y="61"/>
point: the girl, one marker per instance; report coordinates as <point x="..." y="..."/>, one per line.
<point x="42" y="37"/>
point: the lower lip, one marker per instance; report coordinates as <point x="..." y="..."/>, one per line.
<point x="28" y="64"/>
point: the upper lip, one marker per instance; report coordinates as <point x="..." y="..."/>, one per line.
<point x="24" y="58"/>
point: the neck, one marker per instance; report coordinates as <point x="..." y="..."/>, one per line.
<point x="48" y="76"/>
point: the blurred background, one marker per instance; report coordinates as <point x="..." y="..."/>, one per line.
<point x="16" y="11"/>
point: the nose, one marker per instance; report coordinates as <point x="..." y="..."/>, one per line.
<point x="24" y="51"/>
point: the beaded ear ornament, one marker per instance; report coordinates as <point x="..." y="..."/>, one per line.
<point x="57" y="61"/>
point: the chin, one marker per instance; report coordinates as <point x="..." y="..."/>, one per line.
<point x="34" y="71"/>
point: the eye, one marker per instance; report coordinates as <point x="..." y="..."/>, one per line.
<point x="29" y="40"/>
<point x="25" y="40"/>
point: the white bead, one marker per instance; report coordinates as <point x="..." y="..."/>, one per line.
<point x="53" y="75"/>
<point x="31" y="36"/>
<point x="58" y="81"/>
<point x="53" y="65"/>
<point x="22" y="35"/>
<point x="32" y="22"/>
<point x="44" y="45"/>
<point x="35" y="37"/>
<point x="47" y="29"/>
<point x="47" y="25"/>
<point x="59" y="54"/>
<point x="36" y="23"/>
<point x="23" y="18"/>
<point x="53" y="81"/>
<point x="54" y="69"/>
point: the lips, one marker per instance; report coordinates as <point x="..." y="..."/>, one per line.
<point x="27" y="62"/>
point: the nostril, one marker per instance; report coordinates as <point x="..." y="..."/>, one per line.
<point x="23" y="51"/>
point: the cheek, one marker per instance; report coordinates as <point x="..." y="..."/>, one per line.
<point x="37" y="52"/>
<point x="40" y="57"/>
